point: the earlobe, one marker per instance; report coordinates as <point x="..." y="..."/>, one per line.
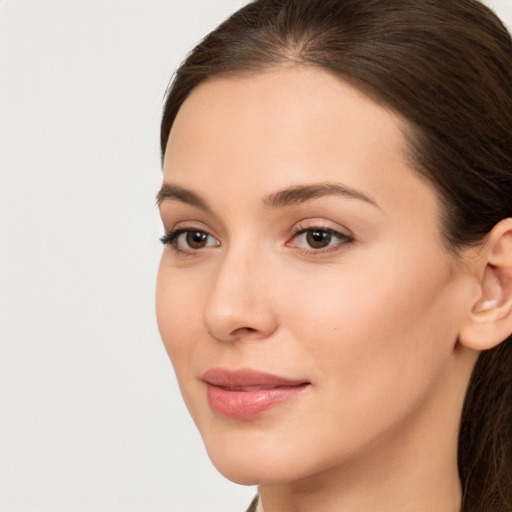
<point x="489" y="321"/>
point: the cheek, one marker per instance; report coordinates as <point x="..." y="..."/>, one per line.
<point x="378" y="332"/>
<point x="176" y="316"/>
<point x="179" y="321"/>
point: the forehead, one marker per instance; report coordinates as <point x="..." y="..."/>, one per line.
<point x="281" y="105"/>
<point x="255" y="134"/>
<point x="298" y="119"/>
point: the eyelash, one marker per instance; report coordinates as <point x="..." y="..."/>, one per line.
<point x="344" y="240"/>
<point x="171" y="239"/>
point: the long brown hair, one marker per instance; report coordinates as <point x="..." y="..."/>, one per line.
<point x="446" y="67"/>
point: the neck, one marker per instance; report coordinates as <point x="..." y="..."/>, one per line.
<point x="392" y="487"/>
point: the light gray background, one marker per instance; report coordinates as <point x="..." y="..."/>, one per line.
<point x="90" y="414"/>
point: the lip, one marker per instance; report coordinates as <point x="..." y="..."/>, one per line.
<point x="246" y="394"/>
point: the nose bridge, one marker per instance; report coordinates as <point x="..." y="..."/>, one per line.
<point x="239" y="302"/>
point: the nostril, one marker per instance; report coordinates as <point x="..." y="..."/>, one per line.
<point x="245" y="330"/>
<point x="228" y="318"/>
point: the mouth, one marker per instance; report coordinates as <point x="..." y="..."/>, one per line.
<point x="246" y="394"/>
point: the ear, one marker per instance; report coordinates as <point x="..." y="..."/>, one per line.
<point x="489" y="321"/>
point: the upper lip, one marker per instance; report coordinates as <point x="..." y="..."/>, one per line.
<point x="246" y="377"/>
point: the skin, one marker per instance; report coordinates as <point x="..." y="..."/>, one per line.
<point x="371" y="321"/>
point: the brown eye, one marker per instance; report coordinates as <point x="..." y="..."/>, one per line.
<point x="318" y="238"/>
<point x="196" y="239"/>
<point x="189" y="240"/>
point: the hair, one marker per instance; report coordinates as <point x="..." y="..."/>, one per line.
<point x="445" y="66"/>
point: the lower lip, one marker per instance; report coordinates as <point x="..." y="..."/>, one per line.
<point x="246" y="405"/>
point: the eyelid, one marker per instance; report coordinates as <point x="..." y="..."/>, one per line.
<point x="187" y="225"/>
<point x="313" y="223"/>
<point x="345" y="235"/>
<point x="171" y="237"/>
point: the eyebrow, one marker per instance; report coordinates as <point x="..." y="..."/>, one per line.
<point x="288" y="197"/>
<point x="302" y="193"/>
<point x="177" y="193"/>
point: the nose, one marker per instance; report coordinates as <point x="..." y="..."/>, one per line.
<point x="240" y="304"/>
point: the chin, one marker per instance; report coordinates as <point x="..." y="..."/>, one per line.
<point x="240" y="475"/>
<point x="250" y="472"/>
<point x="256" y="461"/>
<point x="243" y="463"/>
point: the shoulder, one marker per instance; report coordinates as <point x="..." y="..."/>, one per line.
<point x="253" y="505"/>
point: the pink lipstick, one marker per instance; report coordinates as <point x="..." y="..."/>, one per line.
<point x="245" y="394"/>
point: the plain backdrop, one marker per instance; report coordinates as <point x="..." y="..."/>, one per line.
<point x="90" y="414"/>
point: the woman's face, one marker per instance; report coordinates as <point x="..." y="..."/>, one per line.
<point x="304" y="295"/>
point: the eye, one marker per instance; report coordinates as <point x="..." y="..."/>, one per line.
<point x="189" y="240"/>
<point x="316" y="239"/>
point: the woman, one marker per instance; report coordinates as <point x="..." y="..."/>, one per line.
<point x="335" y="291"/>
